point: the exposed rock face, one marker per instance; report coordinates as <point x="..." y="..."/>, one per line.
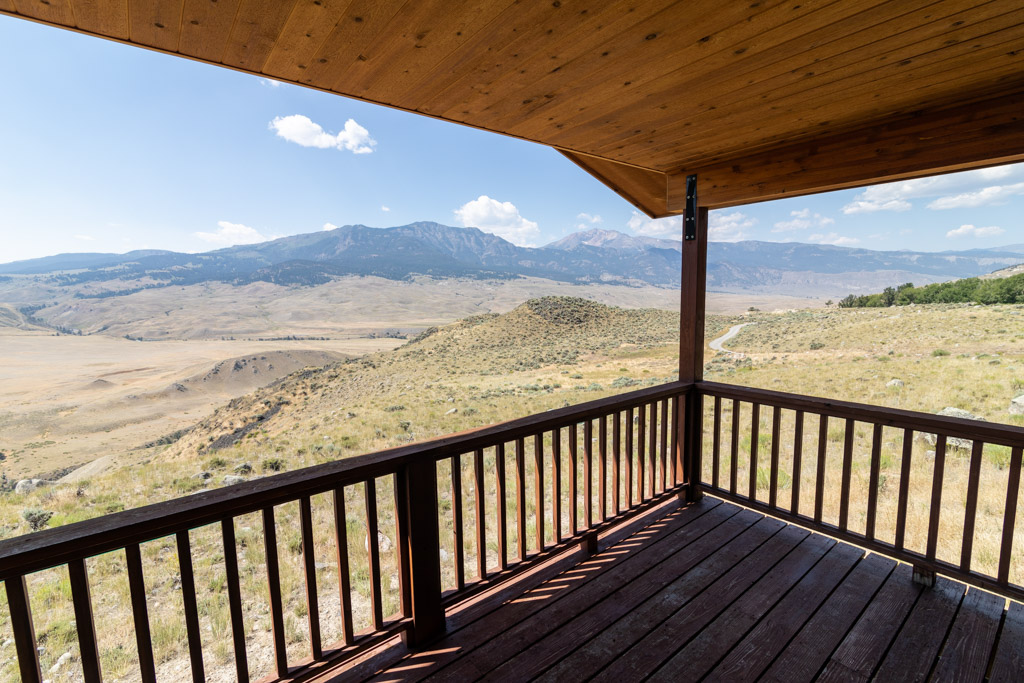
<point x="954" y="442"/>
<point x="1017" y="406"/>
<point x="894" y="383"/>
<point x="232" y="479"/>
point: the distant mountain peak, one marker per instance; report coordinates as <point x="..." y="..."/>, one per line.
<point x="611" y="239"/>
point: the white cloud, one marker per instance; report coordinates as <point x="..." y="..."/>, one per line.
<point x="835" y="239"/>
<point x="897" y="196"/>
<point x="270" y="83"/>
<point x="587" y="221"/>
<point x="85" y="238"/>
<point x="330" y="226"/>
<point x="722" y="227"/>
<point x="655" y="227"/>
<point x="499" y="218"/>
<point x="385" y="209"/>
<point x="729" y="227"/>
<point x="230" y="234"/>
<point x="802" y="220"/>
<point x="993" y="194"/>
<point x="303" y="131"/>
<point x="971" y="231"/>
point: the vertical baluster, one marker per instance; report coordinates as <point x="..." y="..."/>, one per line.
<point x="664" y="443"/>
<point x="628" y="465"/>
<point x="573" y="474"/>
<point x="904" y="495"/>
<point x="400" y="485"/>
<point x="140" y="612"/>
<point x="556" y="485"/>
<point x="227" y="528"/>
<point x="344" y="576"/>
<point x="309" y="571"/>
<point x="521" y="497"/>
<point x="716" y="443"/>
<point x="373" y="548"/>
<point x="1010" y="515"/>
<point x="844" y="497"/>
<point x="459" y="555"/>
<point x="80" y="595"/>
<point x="538" y="461"/>
<point x="481" y="519"/>
<point x="500" y="503"/>
<point x="734" y="448"/>
<point x="24" y="629"/>
<point x="798" y="453"/>
<point x="773" y="486"/>
<point x="602" y="448"/>
<point x="274" y="584"/>
<point x="188" y="596"/>
<point x="676" y="451"/>
<point x="641" y="450"/>
<point x="936" y="504"/>
<point x="972" y="505"/>
<point x="588" y="473"/>
<point x="616" y="457"/>
<point x="755" y="435"/>
<point x="876" y="462"/>
<point x="652" y="447"/>
<point x="819" y="484"/>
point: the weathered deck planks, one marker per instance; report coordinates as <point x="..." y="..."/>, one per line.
<point x="718" y="593"/>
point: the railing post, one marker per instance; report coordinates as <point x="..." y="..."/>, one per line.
<point x="691" y="340"/>
<point x="423" y="553"/>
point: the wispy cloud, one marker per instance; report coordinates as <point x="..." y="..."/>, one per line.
<point x="640" y="224"/>
<point x="722" y="227"/>
<point x="385" y="209"/>
<point x="85" y="238"/>
<point x="500" y="218"/>
<point x="303" y="131"/>
<point x="834" y="239"/>
<point x="899" y="196"/>
<point x="729" y="227"/>
<point x="330" y="226"/>
<point x="994" y="194"/>
<point x="587" y="220"/>
<point x="230" y="234"/>
<point x="270" y="83"/>
<point x="972" y="231"/>
<point x="803" y="219"/>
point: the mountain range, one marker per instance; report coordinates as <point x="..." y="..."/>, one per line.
<point x="427" y="248"/>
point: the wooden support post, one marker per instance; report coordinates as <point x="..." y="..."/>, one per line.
<point x="691" y="340"/>
<point x="923" y="577"/>
<point x="423" y="553"/>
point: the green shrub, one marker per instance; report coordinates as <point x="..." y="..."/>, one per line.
<point x="272" y="465"/>
<point x="940" y="352"/>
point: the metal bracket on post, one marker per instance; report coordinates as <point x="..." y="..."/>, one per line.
<point x="690" y="217"/>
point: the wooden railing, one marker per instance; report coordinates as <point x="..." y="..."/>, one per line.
<point x="939" y="463"/>
<point x="559" y="478"/>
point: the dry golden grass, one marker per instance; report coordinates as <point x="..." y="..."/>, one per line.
<point x="395" y="397"/>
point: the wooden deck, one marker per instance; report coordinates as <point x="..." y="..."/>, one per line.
<point x="717" y="592"/>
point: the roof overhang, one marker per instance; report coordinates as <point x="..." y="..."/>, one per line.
<point x="761" y="99"/>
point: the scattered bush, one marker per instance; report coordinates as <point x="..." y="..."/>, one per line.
<point x="815" y="345"/>
<point x="37" y="519"/>
<point x="272" y="465"/>
<point x="940" y="352"/>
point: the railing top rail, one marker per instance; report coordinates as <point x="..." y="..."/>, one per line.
<point x="54" y="547"/>
<point x="989" y="432"/>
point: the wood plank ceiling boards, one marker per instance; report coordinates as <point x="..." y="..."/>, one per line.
<point x="762" y="99"/>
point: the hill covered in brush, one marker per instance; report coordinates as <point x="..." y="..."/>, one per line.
<point x="492" y="366"/>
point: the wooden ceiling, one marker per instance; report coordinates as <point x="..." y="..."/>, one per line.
<point x="762" y="98"/>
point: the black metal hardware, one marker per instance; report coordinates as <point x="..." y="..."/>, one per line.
<point x="690" y="217"/>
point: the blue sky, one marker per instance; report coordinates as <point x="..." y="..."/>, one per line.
<point x="105" y="147"/>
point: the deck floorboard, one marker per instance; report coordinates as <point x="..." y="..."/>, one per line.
<point x="715" y="592"/>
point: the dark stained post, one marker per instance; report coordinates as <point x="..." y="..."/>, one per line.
<point x="691" y="339"/>
<point x="423" y="552"/>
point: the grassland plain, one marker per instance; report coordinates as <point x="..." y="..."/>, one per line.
<point x="489" y="368"/>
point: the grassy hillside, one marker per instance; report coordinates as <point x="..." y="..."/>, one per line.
<point x="488" y="368"/>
